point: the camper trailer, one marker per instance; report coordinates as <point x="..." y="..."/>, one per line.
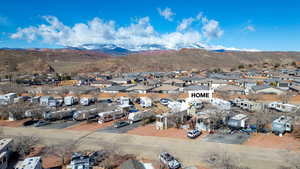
<point x="283" y="107"/>
<point x="85" y="114"/>
<point x="9" y="97"/>
<point x="30" y="163"/>
<point x="281" y="125"/>
<point x="247" y="104"/>
<point x="70" y="100"/>
<point x="5" y="152"/>
<point x="35" y="99"/>
<point x="124" y="101"/>
<point x="85" y="101"/>
<point x="138" y="116"/>
<point x="58" y="115"/>
<point x="238" y="121"/>
<point x="145" y="102"/>
<point x="110" y="115"/>
<point x="44" y="100"/>
<point x="221" y="104"/>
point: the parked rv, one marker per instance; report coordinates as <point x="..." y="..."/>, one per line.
<point x="110" y="115"/>
<point x="281" y="125"/>
<point x="138" y="116"/>
<point x="85" y="114"/>
<point x="70" y="100"/>
<point x="85" y="101"/>
<point x="5" y="152"/>
<point x="238" y="121"/>
<point x="145" y="102"/>
<point x="283" y="107"/>
<point x="30" y="163"/>
<point x="60" y="114"/>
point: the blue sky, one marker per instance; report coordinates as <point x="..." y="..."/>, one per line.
<point x="244" y="24"/>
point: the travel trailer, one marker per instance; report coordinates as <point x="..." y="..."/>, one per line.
<point x="60" y="114"/>
<point x="238" y="121"/>
<point x="5" y="152"/>
<point x="283" y="107"/>
<point x="247" y="104"/>
<point x="85" y="114"/>
<point x="8" y="98"/>
<point x="110" y="115"/>
<point x="138" y="116"/>
<point x="281" y="125"/>
<point x="221" y="104"/>
<point x="30" y="163"/>
<point x="70" y="100"/>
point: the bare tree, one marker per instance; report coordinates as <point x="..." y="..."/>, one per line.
<point x="61" y="150"/>
<point x="285" y="97"/>
<point x="224" y="160"/>
<point x="23" y="145"/>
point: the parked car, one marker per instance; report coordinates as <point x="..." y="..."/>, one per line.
<point x="41" y="123"/>
<point x="120" y="124"/>
<point x="30" y="122"/>
<point x="194" y="133"/>
<point x="164" y="101"/>
<point x="169" y="161"/>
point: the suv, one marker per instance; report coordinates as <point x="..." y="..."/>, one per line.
<point x="168" y="160"/>
<point x="41" y="123"/>
<point x="194" y="133"/>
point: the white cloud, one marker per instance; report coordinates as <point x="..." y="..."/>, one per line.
<point x="134" y="36"/>
<point x="166" y="13"/>
<point x="185" y="23"/>
<point x="250" y="28"/>
<point x="211" y="29"/>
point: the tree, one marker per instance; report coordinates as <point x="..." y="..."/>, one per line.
<point x="285" y="97"/>
<point x="253" y="97"/>
<point x="22" y="145"/>
<point x="61" y="150"/>
<point x="241" y="66"/>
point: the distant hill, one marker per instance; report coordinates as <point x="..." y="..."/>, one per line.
<point x="76" y="60"/>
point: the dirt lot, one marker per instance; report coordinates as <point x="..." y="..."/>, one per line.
<point x="150" y="130"/>
<point x="18" y="123"/>
<point x="270" y="140"/>
<point x="84" y="126"/>
<point x="223" y="137"/>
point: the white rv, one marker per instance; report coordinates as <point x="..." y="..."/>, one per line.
<point x="5" y="152"/>
<point x="281" y="125"/>
<point x="145" y="102"/>
<point x="238" y="121"/>
<point x="30" y="163"/>
<point x="58" y="115"/>
<point x="85" y="114"/>
<point x="138" y="116"/>
<point x="221" y="104"/>
<point x="110" y="115"/>
<point x="283" y="107"/>
<point x="70" y="100"/>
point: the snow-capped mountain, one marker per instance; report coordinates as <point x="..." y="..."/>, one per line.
<point x="127" y="49"/>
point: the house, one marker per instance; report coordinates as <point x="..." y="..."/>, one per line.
<point x="174" y="82"/>
<point x="166" y="89"/>
<point x="5" y="152"/>
<point x="266" y="89"/>
<point x="80" y="161"/>
<point x="30" y="163"/>
<point x="101" y="83"/>
<point x="44" y="100"/>
<point x="132" y="164"/>
<point x="191" y="80"/>
<point x="140" y="89"/>
<point x="116" y="89"/>
<point x="121" y="80"/>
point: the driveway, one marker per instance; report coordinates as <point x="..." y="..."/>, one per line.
<point x="125" y="129"/>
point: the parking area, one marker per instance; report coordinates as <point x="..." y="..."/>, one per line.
<point x="223" y="136"/>
<point x="124" y="129"/>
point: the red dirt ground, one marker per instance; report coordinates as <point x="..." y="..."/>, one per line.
<point x="89" y="126"/>
<point x="17" y="123"/>
<point x="150" y="130"/>
<point x="270" y="140"/>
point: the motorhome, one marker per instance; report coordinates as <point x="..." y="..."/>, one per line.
<point x="70" y="100"/>
<point x="44" y="100"/>
<point x="281" y="125"/>
<point x="145" y="102"/>
<point x="30" y="163"/>
<point x="283" y="107"/>
<point x="60" y="114"/>
<point x="238" y="121"/>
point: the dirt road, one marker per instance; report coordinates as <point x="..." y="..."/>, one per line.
<point x="190" y="152"/>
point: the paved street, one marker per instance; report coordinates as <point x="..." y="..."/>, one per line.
<point x="190" y="152"/>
